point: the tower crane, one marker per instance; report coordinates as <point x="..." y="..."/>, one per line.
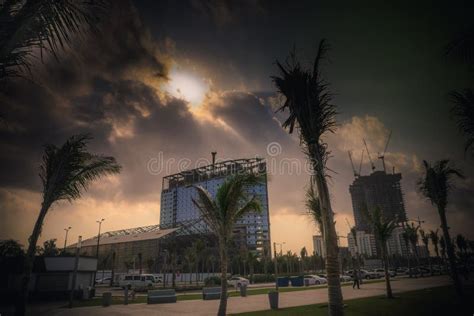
<point x="368" y="154"/>
<point x="352" y="164"/>
<point x="361" y="160"/>
<point x="382" y="156"/>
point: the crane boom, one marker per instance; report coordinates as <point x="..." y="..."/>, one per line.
<point x="382" y="156"/>
<point x="361" y="160"/>
<point x="368" y="154"/>
<point x="352" y="164"/>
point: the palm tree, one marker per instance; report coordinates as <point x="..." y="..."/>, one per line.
<point x="221" y="213"/>
<point x="411" y="232"/>
<point x="463" y="112"/>
<point x="66" y="172"/>
<point x="190" y="258"/>
<point x="461" y="242"/>
<point x="382" y="230"/>
<point x="311" y="110"/>
<point x="252" y="260"/>
<point x="435" y="185"/>
<point x="435" y="240"/>
<point x="44" y="25"/>
<point x="425" y="238"/>
<point x="303" y="254"/>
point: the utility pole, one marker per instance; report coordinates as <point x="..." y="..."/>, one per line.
<point x="74" y="275"/>
<point x="65" y="239"/>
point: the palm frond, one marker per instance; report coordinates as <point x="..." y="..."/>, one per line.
<point x="437" y="181"/>
<point x="313" y="206"/>
<point x="463" y="112"/>
<point x="308" y="100"/>
<point x="69" y="170"/>
<point x="462" y="47"/>
<point x="44" y="25"/>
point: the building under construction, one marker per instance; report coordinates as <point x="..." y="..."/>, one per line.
<point x="251" y="232"/>
<point x="379" y="189"/>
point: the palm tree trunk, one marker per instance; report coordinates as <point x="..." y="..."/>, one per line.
<point x="335" y="300"/>
<point x="450" y="252"/>
<point x="22" y="298"/>
<point x="387" y="275"/>
<point x="223" y="300"/>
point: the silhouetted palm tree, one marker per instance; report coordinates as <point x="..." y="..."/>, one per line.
<point x="221" y="213"/>
<point x="382" y="230"/>
<point x="66" y="172"/>
<point x="425" y="239"/>
<point x="303" y="254"/>
<point x="461" y="242"/>
<point x="463" y="112"/>
<point x="310" y="108"/>
<point x="435" y="240"/>
<point x="435" y="185"/>
<point x="41" y="25"/>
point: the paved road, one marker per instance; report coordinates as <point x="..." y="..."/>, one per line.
<point x="253" y="302"/>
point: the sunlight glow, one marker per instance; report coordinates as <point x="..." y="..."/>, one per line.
<point x="187" y="86"/>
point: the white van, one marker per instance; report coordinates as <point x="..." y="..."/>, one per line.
<point x="137" y="281"/>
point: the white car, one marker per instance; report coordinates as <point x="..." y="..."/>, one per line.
<point x="137" y="281"/>
<point x="237" y="282"/>
<point x="314" y="279"/>
<point x="345" y="278"/>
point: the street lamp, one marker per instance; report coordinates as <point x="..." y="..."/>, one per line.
<point x="276" y="261"/>
<point x="98" y="237"/>
<point x="98" y="241"/>
<point x="65" y="238"/>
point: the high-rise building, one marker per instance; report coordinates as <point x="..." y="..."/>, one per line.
<point x="318" y="245"/>
<point x="366" y="244"/>
<point x="396" y="244"/>
<point x="178" y="193"/>
<point x="379" y="189"/>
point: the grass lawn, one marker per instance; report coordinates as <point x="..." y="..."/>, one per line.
<point x="97" y="301"/>
<point x="434" y="301"/>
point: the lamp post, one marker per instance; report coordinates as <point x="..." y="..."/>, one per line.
<point x="65" y="238"/>
<point x="74" y="275"/>
<point x="97" y="251"/>
<point x="276" y="261"/>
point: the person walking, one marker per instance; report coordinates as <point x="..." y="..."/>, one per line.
<point x="356" y="279"/>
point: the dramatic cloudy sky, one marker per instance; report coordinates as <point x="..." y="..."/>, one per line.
<point x="168" y="82"/>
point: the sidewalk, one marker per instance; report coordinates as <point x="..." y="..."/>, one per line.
<point x="253" y="302"/>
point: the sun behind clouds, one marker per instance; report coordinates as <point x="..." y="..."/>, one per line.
<point x="187" y="86"/>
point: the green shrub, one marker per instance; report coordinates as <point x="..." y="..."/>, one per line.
<point x="263" y="278"/>
<point x="213" y="280"/>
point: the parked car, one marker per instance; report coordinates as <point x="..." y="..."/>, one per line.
<point x="345" y="278"/>
<point x="103" y="281"/>
<point x="381" y="272"/>
<point x="137" y="281"/>
<point x="237" y="282"/>
<point x="313" y="279"/>
<point x="368" y="274"/>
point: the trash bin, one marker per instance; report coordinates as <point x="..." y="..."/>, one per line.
<point x="273" y="299"/>
<point x="106" y="299"/>
<point x="297" y="281"/>
<point x="243" y="290"/>
<point x="283" y="281"/>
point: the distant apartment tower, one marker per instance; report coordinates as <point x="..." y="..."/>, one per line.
<point x="318" y="245"/>
<point x="177" y="207"/>
<point x="396" y="244"/>
<point x="378" y="189"/>
<point x="366" y="244"/>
